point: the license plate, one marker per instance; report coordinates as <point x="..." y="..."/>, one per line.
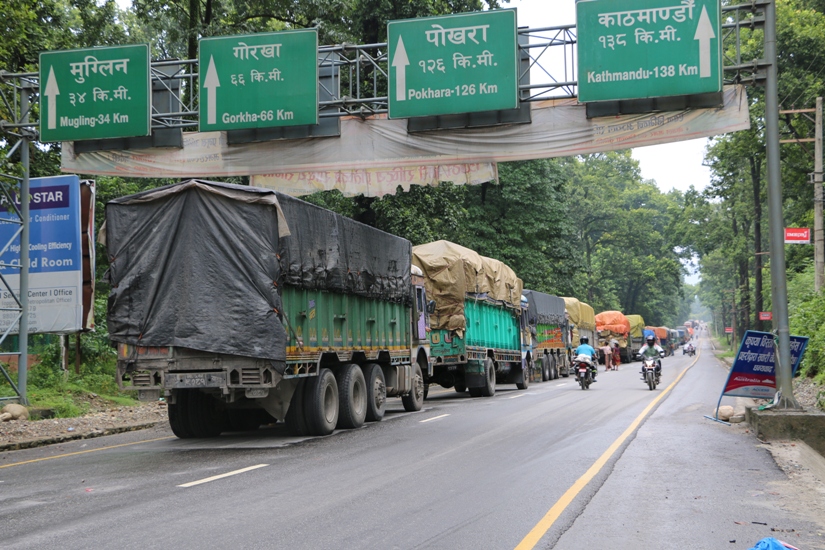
<point x="195" y="380"/>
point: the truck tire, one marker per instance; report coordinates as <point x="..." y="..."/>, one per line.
<point x="352" y="397"/>
<point x="475" y="392"/>
<point x="321" y="403"/>
<point x="565" y="367"/>
<point x="295" y="419"/>
<point x="414" y="400"/>
<point x="523" y="379"/>
<point x="206" y="416"/>
<point x="546" y="373"/>
<point x="489" y="387"/>
<point x="554" y="367"/>
<point x="179" y="415"/>
<point x="376" y="392"/>
<point x="460" y="387"/>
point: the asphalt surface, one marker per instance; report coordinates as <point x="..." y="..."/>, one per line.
<point x="617" y="466"/>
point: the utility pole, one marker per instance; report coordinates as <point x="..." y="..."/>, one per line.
<point x="779" y="282"/>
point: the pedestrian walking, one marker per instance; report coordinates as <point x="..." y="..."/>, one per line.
<point x="617" y="356"/>
<point x="607" y="351"/>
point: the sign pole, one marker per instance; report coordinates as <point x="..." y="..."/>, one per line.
<point x="819" y="245"/>
<point x="23" y="334"/>
<point x="779" y="284"/>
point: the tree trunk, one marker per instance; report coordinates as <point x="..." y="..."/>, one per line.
<point x="193" y="30"/>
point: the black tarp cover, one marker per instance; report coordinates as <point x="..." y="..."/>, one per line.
<point x="545" y="308"/>
<point x="195" y="265"/>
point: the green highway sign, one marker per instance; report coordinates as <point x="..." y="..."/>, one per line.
<point x="635" y="49"/>
<point x="95" y="93"/>
<point x="453" y="64"/>
<point x="259" y="80"/>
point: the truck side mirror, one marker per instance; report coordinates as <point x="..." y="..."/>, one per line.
<point x="431" y="307"/>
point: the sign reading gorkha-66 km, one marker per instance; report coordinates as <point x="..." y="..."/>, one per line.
<point x="635" y="49"/>
<point x="95" y="93"/>
<point x="259" y="80"/>
<point x="453" y="64"/>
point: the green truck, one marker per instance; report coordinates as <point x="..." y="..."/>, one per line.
<point x="476" y="323"/>
<point x="242" y="306"/>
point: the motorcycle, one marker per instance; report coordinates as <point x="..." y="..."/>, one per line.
<point x="583" y="366"/>
<point x="689" y="350"/>
<point x="650" y="374"/>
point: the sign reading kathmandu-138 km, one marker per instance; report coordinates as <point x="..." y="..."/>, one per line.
<point x="95" y="93"/>
<point x="636" y="49"/>
<point x="259" y="80"/>
<point x="453" y="64"/>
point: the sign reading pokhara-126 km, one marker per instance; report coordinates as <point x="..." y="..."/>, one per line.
<point x="453" y="64"/>
<point x="95" y="93"/>
<point x="259" y="80"/>
<point x="635" y="49"/>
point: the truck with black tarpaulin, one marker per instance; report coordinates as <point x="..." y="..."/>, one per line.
<point x="550" y="334"/>
<point x="242" y="305"/>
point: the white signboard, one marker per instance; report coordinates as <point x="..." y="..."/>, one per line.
<point x="55" y="257"/>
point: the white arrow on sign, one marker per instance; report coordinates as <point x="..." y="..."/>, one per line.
<point x="400" y="62"/>
<point x="210" y="84"/>
<point x="704" y="34"/>
<point x="52" y="91"/>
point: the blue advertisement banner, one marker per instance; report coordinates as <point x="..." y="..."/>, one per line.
<point x="753" y="373"/>
<point x="55" y="256"/>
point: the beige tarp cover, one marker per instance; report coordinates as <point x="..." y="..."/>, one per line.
<point x="582" y="318"/>
<point x="452" y="271"/>
<point x="637" y="325"/>
<point x="376" y="155"/>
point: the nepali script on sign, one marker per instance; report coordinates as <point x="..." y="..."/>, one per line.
<point x="455" y="36"/>
<point x="90" y="64"/>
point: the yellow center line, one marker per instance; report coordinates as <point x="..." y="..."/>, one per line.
<point x="84" y="452"/>
<point x="544" y="525"/>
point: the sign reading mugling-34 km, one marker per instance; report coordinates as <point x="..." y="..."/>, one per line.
<point x="453" y="64"/>
<point x="635" y="49"/>
<point x="95" y="93"/>
<point x="259" y="80"/>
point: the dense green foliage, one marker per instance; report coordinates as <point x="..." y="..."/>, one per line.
<point x="726" y="225"/>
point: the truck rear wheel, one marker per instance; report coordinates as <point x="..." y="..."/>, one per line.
<point x="178" y="417"/>
<point x="523" y="379"/>
<point x="243" y="420"/>
<point x="489" y="387"/>
<point x="295" y="419"/>
<point x="460" y="387"/>
<point x="352" y="397"/>
<point x="206" y="416"/>
<point x="546" y="373"/>
<point x="414" y="400"/>
<point x="376" y="392"/>
<point x="321" y="404"/>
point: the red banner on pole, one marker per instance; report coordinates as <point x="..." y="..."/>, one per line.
<point x="728" y="330"/>
<point x="765" y="316"/>
<point x="797" y="235"/>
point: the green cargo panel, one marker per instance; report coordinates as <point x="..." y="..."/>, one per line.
<point x="330" y="321"/>
<point x="549" y="336"/>
<point x="491" y="326"/>
<point x="444" y="343"/>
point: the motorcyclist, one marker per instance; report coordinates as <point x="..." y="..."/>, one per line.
<point x="586" y="349"/>
<point x="652" y="349"/>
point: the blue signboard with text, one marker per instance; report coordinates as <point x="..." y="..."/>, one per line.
<point x="753" y="373"/>
<point x="55" y="257"/>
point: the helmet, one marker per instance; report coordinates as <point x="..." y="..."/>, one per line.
<point x="583" y="340"/>
<point x="651" y="340"/>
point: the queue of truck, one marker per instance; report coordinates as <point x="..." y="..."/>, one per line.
<point x="241" y="306"/>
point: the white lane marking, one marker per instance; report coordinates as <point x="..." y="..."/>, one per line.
<point x="562" y="384"/>
<point x="517" y="396"/>
<point x="221" y="476"/>
<point x="433" y="418"/>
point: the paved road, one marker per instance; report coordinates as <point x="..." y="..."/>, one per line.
<point x="617" y="466"/>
